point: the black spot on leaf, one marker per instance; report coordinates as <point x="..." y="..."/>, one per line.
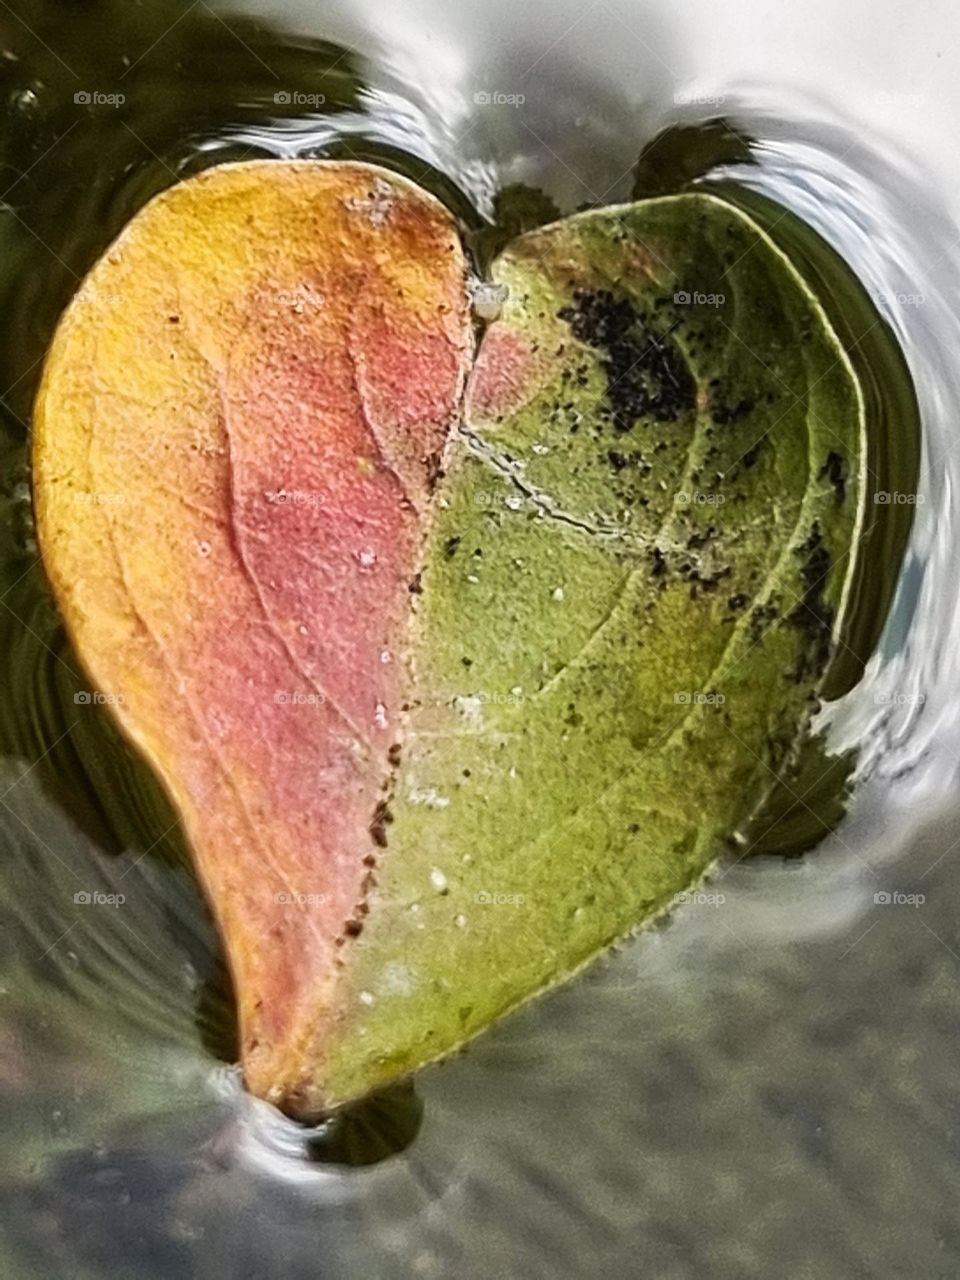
<point x="646" y="374"/>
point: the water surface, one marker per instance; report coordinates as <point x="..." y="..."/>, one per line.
<point x="765" y="1085"/>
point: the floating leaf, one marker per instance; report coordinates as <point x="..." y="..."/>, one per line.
<point x="534" y="700"/>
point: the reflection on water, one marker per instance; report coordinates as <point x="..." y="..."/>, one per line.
<point x="763" y="1085"/>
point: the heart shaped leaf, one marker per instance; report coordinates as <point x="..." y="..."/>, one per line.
<point x="440" y="734"/>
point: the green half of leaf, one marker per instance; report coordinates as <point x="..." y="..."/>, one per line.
<point x="632" y="586"/>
